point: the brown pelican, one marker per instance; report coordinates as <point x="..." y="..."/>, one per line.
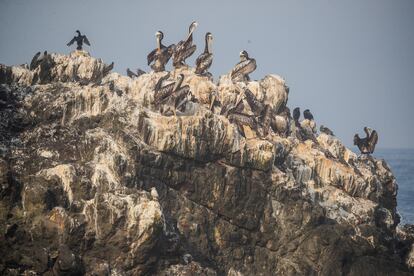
<point x="366" y="145"/>
<point x="308" y="115"/>
<point x="135" y="75"/>
<point x="173" y="95"/>
<point x="326" y="130"/>
<point x="205" y="60"/>
<point x="80" y="39"/>
<point x="160" y="55"/>
<point x="242" y="69"/>
<point x="185" y="48"/>
<point x="235" y="115"/>
<point x="256" y="106"/>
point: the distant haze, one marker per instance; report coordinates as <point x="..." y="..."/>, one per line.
<point x="350" y="62"/>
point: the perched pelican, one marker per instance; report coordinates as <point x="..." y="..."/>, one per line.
<point x="80" y="39"/>
<point x="172" y="95"/>
<point x="256" y="106"/>
<point x="235" y="115"/>
<point x="242" y="69"/>
<point x="160" y="56"/>
<point x="205" y="60"/>
<point x="185" y="48"/>
<point x="366" y="145"/>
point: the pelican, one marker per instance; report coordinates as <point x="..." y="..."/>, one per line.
<point x="173" y="95"/>
<point x="160" y="56"/>
<point x="185" y="48"/>
<point x="205" y="60"/>
<point x="242" y="69"/>
<point x="80" y="39"/>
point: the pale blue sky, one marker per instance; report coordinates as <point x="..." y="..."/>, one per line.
<point x="351" y="62"/>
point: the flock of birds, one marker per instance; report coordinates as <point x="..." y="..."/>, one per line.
<point x="175" y="97"/>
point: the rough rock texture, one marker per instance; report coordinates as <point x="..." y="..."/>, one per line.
<point x="95" y="181"/>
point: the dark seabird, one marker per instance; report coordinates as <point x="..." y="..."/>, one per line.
<point x="205" y="60"/>
<point x="296" y="116"/>
<point x="160" y="56"/>
<point x="366" y="145"/>
<point x="308" y="115"/>
<point x="80" y="39"/>
<point x="39" y="59"/>
<point x="185" y="48"/>
<point x="326" y="130"/>
<point x="242" y="69"/>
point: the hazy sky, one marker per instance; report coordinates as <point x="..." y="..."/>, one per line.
<point x="350" y="62"/>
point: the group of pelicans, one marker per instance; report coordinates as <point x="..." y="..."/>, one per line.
<point x="174" y="96"/>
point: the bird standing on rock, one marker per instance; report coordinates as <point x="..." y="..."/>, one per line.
<point x="205" y="60"/>
<point x="185" y="48"/>
<point x="172" y="96"/>
<point x="326" y="130"/>
<point x="366" y="145"/>
<point x="80" y="39"/>
<point x="242" y="69"/>
<point x="160" y="56"/>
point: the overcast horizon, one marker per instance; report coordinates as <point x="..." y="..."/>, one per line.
<point x="350" y="62"/>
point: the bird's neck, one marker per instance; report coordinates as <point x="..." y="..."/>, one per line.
<point x="207" y="48"/>
<point x="178" y="84"/>
<point x="158" y="43"/>
<point x="190" y="36"/>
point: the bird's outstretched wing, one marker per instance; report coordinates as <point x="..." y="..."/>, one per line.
<point x="71" y="42"/>
<point x="85" y="39"/>
<point x="189" y="51"/>
<point x="151" y="56"/>
<point x="163" y="93"/>
<point x="372" y="141"/>
<point x="158" y="85"/>
<point x="33" y="63"/>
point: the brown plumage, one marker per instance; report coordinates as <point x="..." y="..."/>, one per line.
<point x="366" y="145"/>
<point x="160" y="56"/>
<point x="242" y="69"/>
<point x="184" y="48"/>
<point x="205" y="60"/>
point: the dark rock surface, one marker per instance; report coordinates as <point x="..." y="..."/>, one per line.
<point x="95" y="181"/>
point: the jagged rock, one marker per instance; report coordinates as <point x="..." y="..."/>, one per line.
<point x="97" y="182"/>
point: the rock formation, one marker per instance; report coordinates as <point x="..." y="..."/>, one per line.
<point x="95" y="181"/>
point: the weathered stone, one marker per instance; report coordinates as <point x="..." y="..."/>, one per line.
<point x="96" y="181"/>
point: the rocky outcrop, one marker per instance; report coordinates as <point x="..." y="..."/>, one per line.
<point x="95" y="181"/>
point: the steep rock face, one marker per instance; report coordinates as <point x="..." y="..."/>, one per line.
<point x="94" y="180"/>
